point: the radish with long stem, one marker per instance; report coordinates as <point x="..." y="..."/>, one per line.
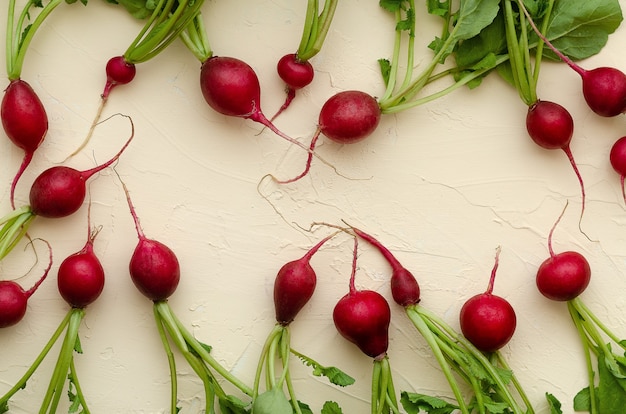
<point x="23" y="114"/>
<point x="563" y="277"/>
<point x="165" y="23"/>
<point x="457" y="357"/>
<point x="80" y="282"/>
<point x="155" y="272"/>
<point x="57" y="192"/>
<point x="293" y="287"/>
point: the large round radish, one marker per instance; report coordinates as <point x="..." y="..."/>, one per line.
<point x="488" y="321"/>
<point x="349" y="116"/>
<point x="363" y="317"/>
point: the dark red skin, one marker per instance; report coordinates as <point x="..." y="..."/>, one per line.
<point x="293" y="287"/>
<point x="230" y="86"/>
<point x="604" y="89"/>
<point x="24" y="117"/>
<point x="404" y="287"/>
<point x="564" y="276"/>
<point x="363" y="317"/>
<point x="294" y="72"/>
<point x="119" y="72"/>
<point x="488" y="321"/>
<point x="349" y="116"/>
<point x="154" y="269"/>
<point x="617" y="156"/>
<point x="81" y="278"/>
<point x="13" y="303"/>
<point x="58" y="192"/>
<point x="550" y="125"/>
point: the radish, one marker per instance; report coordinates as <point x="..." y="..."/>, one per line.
<point x="293" y="287"/>
<point x="604" y="88"/>
<point x="80" y="281"/>
<point x="57" y="192"/>
<point x="617" y="158"/>
<point x="488" y="321"/>
<point x="295" y="69"/>
<point x="447" y="346"/>
<point x="166" y="20"/>
<point x="564" y="277"/>
<point x="363" y="317"/>
<point x="14" y="299"/>
<point x="155" y="271"/>
<point x="549" y="124"/>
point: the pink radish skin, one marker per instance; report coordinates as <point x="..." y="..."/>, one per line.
<point x="80" y="279"/>
<point x="404" y="287"/>
<point x="154" y="267"/>
<point x="617" y="158"/>
<point x="564" y="276"/>
<point x="349" y="117"/>
<point x="14" y="299"/>
<point x="604" y="88"/>
<point x="25" y="122"/>
<point x="363" y="317"/>
<point x="296" y="74"/>
<point x="294" y="286"/>
<point x="60" y="191"/>
<point x="551" y="126"/>
<point x="118" y="72"/>
<point x="488" y="321"/>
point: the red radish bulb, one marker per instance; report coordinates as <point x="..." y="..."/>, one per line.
<point x="294" y="286"/>
<point x="363" y="317"/>
<point x="404" y="287"/>
<point x="563" y="276"/>
<point x="118" y="72"/>
<point x="617" y="158"/>
<point x="25" y="122"/>
<point x="154" y="267"/>
<point x="349" y="116"/>
<point x="488" y="321"/>
<point x="14" y="299"/>
<point x="294" y="72"/>
<point x="80" y="279"/>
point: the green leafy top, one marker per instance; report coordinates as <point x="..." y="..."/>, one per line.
<point x="20" y="31"/>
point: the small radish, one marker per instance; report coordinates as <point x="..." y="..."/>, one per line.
<point x="14" y="299"/>
<point x="154" y="267"/>
<point x="80" y="278"/>
<point x="25" y="122"/>
<point x="604" y="88"/>
<point x="294" y="285"/>
<point x="404" y="287"/>
<point x="488" y="321"/>
<point x="551" y="126"/>
<point x="118" y="72"/>
<point x="296" y="74"/>
<point x="617" y="158"/>
<point x="563" y="276"/>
